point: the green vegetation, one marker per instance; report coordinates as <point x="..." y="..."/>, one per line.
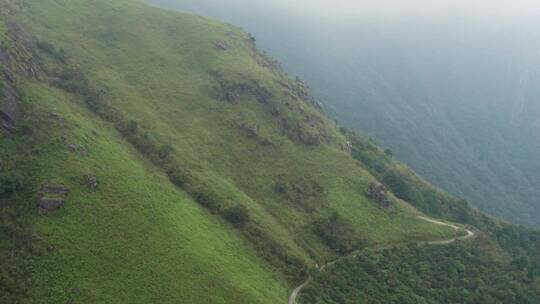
<point x="337" y="234"/>
<point x="17" y="245"/>
<point x="473" y="272"/>
<point x="3" y="35"/>
<point x="212" y="164"/>
<point x="238" y="215"/>
<point x="215" y="177"/>
<point x="501" y="265"/>
<point x="408" y="186"/>
<point x="450" y="105"/>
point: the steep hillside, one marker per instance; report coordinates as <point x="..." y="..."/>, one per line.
<point x="454" y="96"/>
<point x="152" y="156"/>
<point x="170" y="161"/>
<point x="499" y="264"/>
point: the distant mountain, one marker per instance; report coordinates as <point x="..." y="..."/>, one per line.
<point x="456" y="97"/>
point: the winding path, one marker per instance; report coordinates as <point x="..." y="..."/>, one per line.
<point x="470" y="234"/>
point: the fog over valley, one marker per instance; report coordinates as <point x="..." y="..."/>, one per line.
<point x="452" y="87"/>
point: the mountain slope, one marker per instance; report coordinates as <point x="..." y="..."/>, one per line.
<point x="196" y="170"/>
<point x="454" y="96"/>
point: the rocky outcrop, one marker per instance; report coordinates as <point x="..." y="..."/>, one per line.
<point x="9" y="104"/>
<point x="6" y="123"/>
<point x="77" y="149"/>
<point x="57" y="189"/>
<point x="222" y="45"/>
<point x="19" y="56"/>
<point x="349" y="147"/>
<point x="299" y="90"/>
<point x="230" y="91"/>
<point x="51" y="198"/>
<point x="377" y="192"/>
<point x="16" y="58"/>
<point x="48" y="205"/>
<point x="91" y="182"/>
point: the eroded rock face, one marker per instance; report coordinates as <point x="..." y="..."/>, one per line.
<point x="222" y="45"/>
<point x="91" y="182"/>
<point x="10" y="101"/>
<point x="77" y="148"/>
<point x="349" y="147"/>
<point x="48" y="205"/>
<point x="19" y="57"/>
<point x="6" y="123"/>
<point x="377" y="192"/>
<point x="16" y="58"/>
<point x="51" y="198"/>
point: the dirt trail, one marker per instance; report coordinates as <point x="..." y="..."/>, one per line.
<point x="470" y="234"/>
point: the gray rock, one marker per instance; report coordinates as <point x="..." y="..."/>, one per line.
<point x="52" y="198"/>
<point x="349" y="147"/>
<point x="57" y="189"/>
<point x="377" y="192"/>
<point x="77" y="148"/>
<point x="222" y="45"/>
<point x="51" y="248"/>
<point x="91" y="182"/>
<point x="48" y="205"/>
<point x="9" y="106"/>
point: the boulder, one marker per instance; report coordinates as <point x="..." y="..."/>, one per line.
<point x="77" y="148"/>
<point x="349" y="147"/>
<point x="52" y="198"/>
<point x="57" y="189"/>
<point x="222" y="45"/>
<point x="48" y="205"/>
<point x="377" y="192"/>
<point x="91" y="182"/>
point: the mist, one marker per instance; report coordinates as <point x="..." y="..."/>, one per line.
<point x="350" y="11"/>
<point x="452" y="87"/>
<point x="415" y="8"/>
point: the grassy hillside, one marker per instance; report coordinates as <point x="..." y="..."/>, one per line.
<point x="500" y="265"/>
<point x="455" y="100"/>
<point x="197" y="170"/>
<point x="137" y="234"/>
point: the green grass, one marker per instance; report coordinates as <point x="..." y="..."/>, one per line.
<point x="4" y="40"/>
<point x="156" y="70"/>
<point x="139" y="238"/>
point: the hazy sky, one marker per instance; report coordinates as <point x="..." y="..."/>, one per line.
<point x="345" y="12"/>
<point x="498" y="8"/>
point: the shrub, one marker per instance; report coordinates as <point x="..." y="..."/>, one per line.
<point x="165" y="151"/>
<point x="46" y="46"/>
<point x="131" y="127"/>
<point x="305" y="193"/>
<point x="337" y="233"/>
<point x="237" y="215"/>
<point x="293" y="267"/>
<point x="208" y="200"/>
<point x="49" y="48"/>
<point x="179" y="177"/>
<point x="12" y="178"/>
